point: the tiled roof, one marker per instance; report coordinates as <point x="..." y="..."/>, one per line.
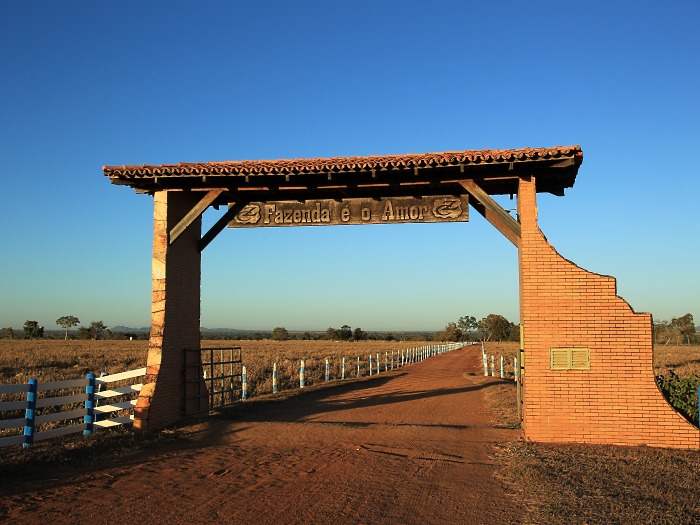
<point x="343" y="164"/>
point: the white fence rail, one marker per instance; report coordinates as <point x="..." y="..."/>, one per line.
<point x="46" y="404"/>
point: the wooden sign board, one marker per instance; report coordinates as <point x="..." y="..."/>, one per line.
<point x="443" y="208"/>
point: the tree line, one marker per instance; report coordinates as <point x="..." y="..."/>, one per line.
<point x="493" y="327"/>
<point x="95" y="330"/>
<point x="677" y="331"/>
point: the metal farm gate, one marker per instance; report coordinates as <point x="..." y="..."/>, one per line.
<point x="212" y="378"/>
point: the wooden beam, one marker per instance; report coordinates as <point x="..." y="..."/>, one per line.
<point x="194" y="214"/>
<point x="233" y="210"/>
<point x="493" y="212"/>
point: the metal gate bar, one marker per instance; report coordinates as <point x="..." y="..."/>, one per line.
<point x="212" y="378"/>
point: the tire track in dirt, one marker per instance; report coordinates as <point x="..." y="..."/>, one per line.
<point x="412" y="446"/>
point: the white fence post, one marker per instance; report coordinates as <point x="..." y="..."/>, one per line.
<point x="274" y="378"/>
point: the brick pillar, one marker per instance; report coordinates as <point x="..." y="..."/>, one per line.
<point x="175" y="314"/>
<point x="617" y="400"/>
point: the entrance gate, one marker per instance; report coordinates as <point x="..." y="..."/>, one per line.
<point x="577" y="334"/>
<point x="212" y="378"/>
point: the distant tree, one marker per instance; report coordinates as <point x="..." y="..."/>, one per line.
<point x="345" y="333"/>
<point x="358" y="334"/>
<point x="306" y="336"/>
<point x="67" y="322"/>
<point x="32" y="330"/>
<point x="684" y="325"/>
<point x="332" y="334"/>
<point x="451" y="332"/>
<point x="280" y="334"/>
<point x="514" y="332"/>
<point x="495" y="327"/>
<point x="7" y="333"/>
<point x="466" y="324"/>
<point x="97" y="329"/>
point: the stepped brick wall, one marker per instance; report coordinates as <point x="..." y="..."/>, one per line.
<point x="617" y="400"/>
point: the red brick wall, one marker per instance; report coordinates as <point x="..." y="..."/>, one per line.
<point x="176" y="284"/>
<point x="617" y="401"/>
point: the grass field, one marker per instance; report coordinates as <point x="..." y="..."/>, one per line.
<point x="55" y="360"/>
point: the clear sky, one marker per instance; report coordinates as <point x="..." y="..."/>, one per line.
<point x="86" y="84"/>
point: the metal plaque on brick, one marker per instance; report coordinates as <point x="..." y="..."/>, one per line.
<point x="390" y="210"/>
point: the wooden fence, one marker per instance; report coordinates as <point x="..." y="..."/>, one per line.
<point x="59" y="408"/>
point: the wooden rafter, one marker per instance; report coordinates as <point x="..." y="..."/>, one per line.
<point x="493" y="212"/>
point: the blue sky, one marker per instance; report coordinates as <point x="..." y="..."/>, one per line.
<point x="86" y="84"/>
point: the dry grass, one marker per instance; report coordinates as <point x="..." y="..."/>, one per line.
<point x="683" y="360"/>
<point x="597" y="484"/>
<point x="52" y="360"/>
<point x="570" y="484"/>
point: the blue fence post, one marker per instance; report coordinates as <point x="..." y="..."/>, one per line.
<point x="358" y="366"/>
<point x="699" y="406"/>
<point x="377" y="363"/>
<point x="342" y="370"/>
<point x="274" y="378"/>
<point x="30" y="413"/>
<point x="370" y="364"/>
<point x="502" y="368"/>
<point x="302" y="372"/>
<point x="244" y="382"/>
<point x="328" y="370"/>
<point x="89" y="418"/>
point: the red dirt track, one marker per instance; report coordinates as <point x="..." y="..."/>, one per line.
<point x="414" y="446"/>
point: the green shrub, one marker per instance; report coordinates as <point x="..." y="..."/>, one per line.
<point x="681" y="392"/>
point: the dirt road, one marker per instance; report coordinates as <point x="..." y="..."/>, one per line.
<point x="414" y="446"/>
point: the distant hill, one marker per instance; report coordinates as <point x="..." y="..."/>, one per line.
<point x="129" y="329"/>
